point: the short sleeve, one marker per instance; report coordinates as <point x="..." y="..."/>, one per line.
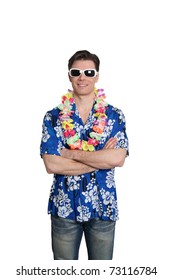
<point x="119" y="130"/>
<point x="51" y="141"/>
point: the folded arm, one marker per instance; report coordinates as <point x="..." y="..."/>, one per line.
<point x="102" y="159"/>
<point x="59" y="165"/>
<point x="77" y="162"/>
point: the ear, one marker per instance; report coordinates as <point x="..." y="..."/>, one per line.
<point x="69" y="78"/>
<point x="97" y="78"/>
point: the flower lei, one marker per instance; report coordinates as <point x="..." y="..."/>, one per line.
<point x="69" y="131"/>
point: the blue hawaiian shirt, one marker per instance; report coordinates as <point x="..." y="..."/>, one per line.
<point x="91" y="195"/>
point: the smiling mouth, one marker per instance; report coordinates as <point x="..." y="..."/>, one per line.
<point x="81" y="85"/>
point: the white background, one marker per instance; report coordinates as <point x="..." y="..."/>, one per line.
<point x="134" y="41"/>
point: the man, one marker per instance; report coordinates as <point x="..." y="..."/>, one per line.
<point x="83" y="140"/>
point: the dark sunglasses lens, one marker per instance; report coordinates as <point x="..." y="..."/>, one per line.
<point x="75" y="73"/>
<point x="89" y="73"/>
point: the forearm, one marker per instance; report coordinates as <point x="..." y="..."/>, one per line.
<point x="63" y="166"/>
<point x="102" y="159"/>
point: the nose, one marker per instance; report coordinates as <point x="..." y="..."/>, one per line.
<point x="82" y="76"/>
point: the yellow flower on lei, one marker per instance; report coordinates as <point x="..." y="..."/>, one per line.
<point x="87" y="147"/>
<point x="67" y="124"/>
<point x="72" y="137"/>
<point x="69" y="95"/>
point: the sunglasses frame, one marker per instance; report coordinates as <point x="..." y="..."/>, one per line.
<point x="83" y="72"/>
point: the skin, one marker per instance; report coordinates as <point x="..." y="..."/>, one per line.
<point x="83" y="88"/>
<point x="77" y="162"/>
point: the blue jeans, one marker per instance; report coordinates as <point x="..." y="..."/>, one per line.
<point x="67" y="236"/>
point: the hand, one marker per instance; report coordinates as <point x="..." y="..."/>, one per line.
<point x="110" y="144"/>
<point x="66" y="153"/>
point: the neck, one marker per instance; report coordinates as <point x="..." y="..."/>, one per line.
<point x="84" y="100"/>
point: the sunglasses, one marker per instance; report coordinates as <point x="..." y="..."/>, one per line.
<point x="75" y="72"/>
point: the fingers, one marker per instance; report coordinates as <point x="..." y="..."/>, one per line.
<point x="110" y="144"/>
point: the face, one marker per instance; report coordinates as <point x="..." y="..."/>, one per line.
<point x="83" y="85"/>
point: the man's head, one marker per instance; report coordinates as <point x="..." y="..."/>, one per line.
<point x="84" y="55"/>
<point x="83" y="72"/>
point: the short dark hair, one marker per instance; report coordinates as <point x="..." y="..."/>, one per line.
<point x="84" y="55"/>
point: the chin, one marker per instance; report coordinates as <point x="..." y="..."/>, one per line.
<point x="83" y="91"/>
